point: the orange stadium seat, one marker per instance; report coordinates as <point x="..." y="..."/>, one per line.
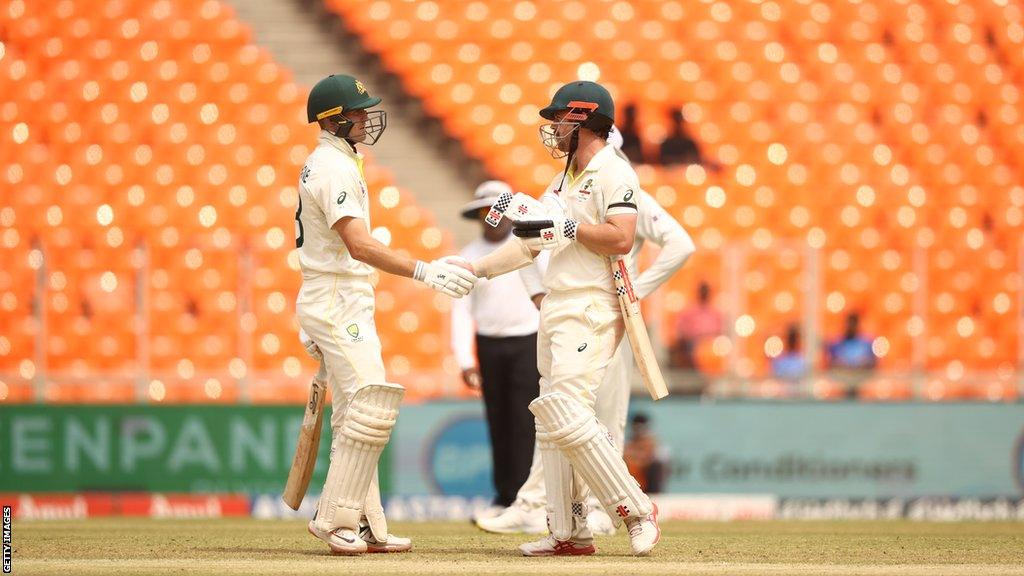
<point x="154" y="216"/>
<point x="881" y="145"/>
<point x="893" y="130"/>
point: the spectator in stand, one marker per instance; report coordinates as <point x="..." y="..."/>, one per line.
<point x="852" y="351"/>
<point x="679" y="148"/>
<point x="790" y="364"/>
<point x="851" y="358"/>
<point x="700" y="320"/>
<point x="644" y="456"/>
<point x="631" y="146"/>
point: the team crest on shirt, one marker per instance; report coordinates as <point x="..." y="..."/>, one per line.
<point x="353" y="331"/>
<point x="583" y="194"/>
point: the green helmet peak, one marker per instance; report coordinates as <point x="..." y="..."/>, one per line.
<point x="335" y="94"/>
<point x="591" y="100"/>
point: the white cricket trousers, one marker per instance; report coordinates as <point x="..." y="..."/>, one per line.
<point x="611" y="407"/>
<point x="337" y="313"/>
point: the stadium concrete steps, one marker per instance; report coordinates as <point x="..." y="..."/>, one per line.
<point x="310" y="41"/>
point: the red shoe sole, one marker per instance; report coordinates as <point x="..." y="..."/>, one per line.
<point x="568" y="551"/>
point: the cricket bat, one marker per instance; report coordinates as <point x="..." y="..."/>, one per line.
<point x="636" y="331"/>
<point x="308" y="444"/>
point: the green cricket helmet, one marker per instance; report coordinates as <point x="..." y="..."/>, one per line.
<point x="587" y="105"/>
<point x="337" y="94"/>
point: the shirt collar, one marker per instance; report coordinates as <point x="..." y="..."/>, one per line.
<point x="596" y="161"/>
<point x="340" y="143"/>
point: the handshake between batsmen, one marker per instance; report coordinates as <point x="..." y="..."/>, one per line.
<point x="448" y="275"/>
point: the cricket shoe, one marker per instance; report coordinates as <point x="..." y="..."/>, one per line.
<point x="644" y="532"/>
<point x="582" y="544"/>
<point x="600" y="523"/>
<point x="516" y="519"/>
<point x="342" y="541"/>
<point x="488" y="512"/>
<point x="391" y="543"/>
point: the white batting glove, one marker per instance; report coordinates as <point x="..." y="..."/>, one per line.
<point x="311" y="348"/>
<point x="445" y="277"/>
<point x="526" y="207"/>
<point x="546" y="234"/>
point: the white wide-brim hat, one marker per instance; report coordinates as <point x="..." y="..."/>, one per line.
<point x="484" y="197"/>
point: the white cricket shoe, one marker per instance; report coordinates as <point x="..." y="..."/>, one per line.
<point x="341" y="541"/>
<point x="488" y="512"/>
<point x="516" y="519"/>
<point x="390" y="544"/>
<point x="600" y="523"/>
<point x="644" y="532"/>
<point x="581" y="544"/>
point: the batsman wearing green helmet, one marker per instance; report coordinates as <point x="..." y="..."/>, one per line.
<point x="592" y="215"/>
<point x="589" y="214"/>
<point x="337" y="255"/>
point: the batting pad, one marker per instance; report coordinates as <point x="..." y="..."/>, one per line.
<point x="574" y="429"/>
<point x="564" y="491"/>
<point x="374" y="510"/>
<point x="356" y="447"/>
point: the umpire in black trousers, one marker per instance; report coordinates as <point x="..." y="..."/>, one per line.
<point x="501" y="319"/>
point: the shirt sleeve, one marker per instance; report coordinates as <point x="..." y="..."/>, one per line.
<point x="658" y="226"/>
<point x="339" y="195"/>
<point x="623" y="196"/>
<point x="463" y="333"/>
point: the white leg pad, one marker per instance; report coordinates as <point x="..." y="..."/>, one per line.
<point x="573" y="428"/>
<point x="558" y="483"/>
<point x="374" y="510"/>
<point x="356" y="447"/>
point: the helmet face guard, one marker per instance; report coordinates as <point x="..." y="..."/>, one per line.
<point x="577" y="115"/>
<point x="372" y="128"/>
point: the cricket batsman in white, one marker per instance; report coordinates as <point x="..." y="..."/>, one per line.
<point x="591" y="215"/>
<point x="654" y="225"/>
<point x="335" y="309"/>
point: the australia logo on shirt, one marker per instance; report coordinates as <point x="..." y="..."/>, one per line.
<point x="584" y="192"/>
<point x="353" y="331"/>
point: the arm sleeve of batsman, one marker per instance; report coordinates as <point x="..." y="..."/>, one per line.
<point x="509" y="257"/>
<point x="445" y="277"/>
<point x="656" y="225"/>
<point x="623" y="199"/>
<point x="339" y="197"/>
<point x="462" y="333"/>
<point x="615" y="235"/>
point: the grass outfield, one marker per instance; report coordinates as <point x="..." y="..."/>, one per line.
<point x="247" y="547"/>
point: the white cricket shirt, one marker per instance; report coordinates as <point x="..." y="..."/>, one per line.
<point x="331" y="187"/>
<point x="606" y="187"/>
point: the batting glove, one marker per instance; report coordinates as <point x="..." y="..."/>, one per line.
<point x="445" y="277"/>
<point x="546" y="234"/>
<point x="311" y="348"/>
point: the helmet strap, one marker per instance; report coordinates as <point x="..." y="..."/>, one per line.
<point x="574" y="142"/>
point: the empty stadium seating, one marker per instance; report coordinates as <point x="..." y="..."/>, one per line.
<point x="871" y="155"/>
<point x="148" y="152"/>
<point x="886" y="136"/>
